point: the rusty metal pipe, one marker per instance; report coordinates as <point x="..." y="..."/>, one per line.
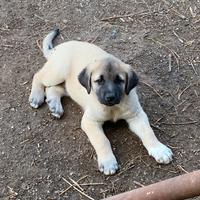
<point x="177" y="188"/>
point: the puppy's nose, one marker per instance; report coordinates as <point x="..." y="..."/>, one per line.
<point x="110" y="97"/>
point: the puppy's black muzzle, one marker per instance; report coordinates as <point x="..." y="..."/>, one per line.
<point x="111" y="99"/>
<point x="110" y="94"/>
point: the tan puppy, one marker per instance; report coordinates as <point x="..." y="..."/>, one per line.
<point x="103" y="86"/>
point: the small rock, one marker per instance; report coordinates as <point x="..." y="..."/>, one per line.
<point x="114" y="34"/>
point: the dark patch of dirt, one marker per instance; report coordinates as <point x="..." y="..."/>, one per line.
<point x="36" y="151"/>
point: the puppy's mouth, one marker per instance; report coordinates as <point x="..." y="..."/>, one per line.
<point x="112" y="103"/>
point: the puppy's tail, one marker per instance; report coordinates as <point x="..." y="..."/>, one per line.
<point x="48" y="42"/>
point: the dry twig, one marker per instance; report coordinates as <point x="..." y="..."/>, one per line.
<point x="159" y="119"/>
<point x="170" y="63"/>
<point x="192" y="12"/>
<point x="12" y="193"/>
<point x="173" y="147"/>
<point x="7" y="45"/>
<point x="156" y="127"/>
<point x="129" y="164"/>
<point x="76" y="183"/>
<point x="123" y="16"/>
<point x="130" y="167"/>
<point x="46" y="20"/>
<point x="196" y="20"/>
<point x="89" y="184"/>
<point x="195" y="92"/>
<point x="152" y="89"/>
<point x="186" y="107"/>
<point x="138" y="183"/>
<point x="38" y="45"/>
<point x="77" y="189"/>
<point x="24" y="141"/>
<point x="64" y="191"/>
<point x="195" y="71"/>
<point x="92" y="154"/>
<point x="178" y="14"/>
<point x="179" y="95"/>
<point x="180" y="123"/>
<point x="24" y="83"/>
<point x="182" y="169"/>
<point x="94" y="39"/>
<point x="176" y="56"/>
<point x="181" y="40"/>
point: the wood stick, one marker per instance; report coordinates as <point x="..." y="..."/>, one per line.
<point x="177" y="188"/>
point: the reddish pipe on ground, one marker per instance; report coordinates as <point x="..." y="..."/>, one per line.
<point x="177" y="188"/>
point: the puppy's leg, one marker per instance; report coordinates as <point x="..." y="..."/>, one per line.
<point x="49" y="75"/>
<point x="36" y="97"/>
<point x="141" y="127"/>
<point x="53" y="99"/>
<point x="106" y="160"/>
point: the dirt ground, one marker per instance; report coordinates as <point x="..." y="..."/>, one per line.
<point x="160" y="39"/>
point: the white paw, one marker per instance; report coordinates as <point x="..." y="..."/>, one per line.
<point x="36" y="99"/>
<point x="161" y="153"/>
<point x="108" y="166"/>
<point x="55" y="107"/>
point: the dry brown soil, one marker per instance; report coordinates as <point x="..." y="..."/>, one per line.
<point x="160" y="39"/>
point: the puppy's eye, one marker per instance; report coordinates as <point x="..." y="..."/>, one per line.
<point x="118" y="79"/>
<point x="100" y="81"/>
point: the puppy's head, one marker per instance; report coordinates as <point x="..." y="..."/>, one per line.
<point x="110" y="79"/>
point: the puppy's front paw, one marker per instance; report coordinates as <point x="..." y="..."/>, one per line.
<point x="108" y="166"/>
<point x="36" y="99"/>
<point x="161" y="153"/>
<point x="55" y="107"/>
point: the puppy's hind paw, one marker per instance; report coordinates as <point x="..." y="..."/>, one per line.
<point x="108" y="166"/>
<point x="161" y="153"/>
<point x="55" y="107"/>
<point x="36" y="100"/>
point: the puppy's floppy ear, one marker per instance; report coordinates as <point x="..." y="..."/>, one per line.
<point x="131" y="81"/>
<point x="85" y="80"/>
